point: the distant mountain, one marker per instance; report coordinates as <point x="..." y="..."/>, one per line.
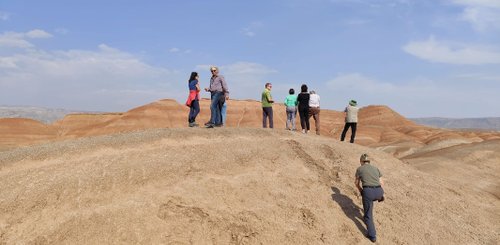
<point x="45" y="115"/>
<point x="490" y="123"/>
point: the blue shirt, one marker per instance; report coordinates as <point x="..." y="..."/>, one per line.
<point x="192" y="84"/>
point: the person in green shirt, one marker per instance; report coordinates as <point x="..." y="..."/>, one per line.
<point x="369" y="182"/>
<point x="267" y="106"/>
<point x="291" y="109"/>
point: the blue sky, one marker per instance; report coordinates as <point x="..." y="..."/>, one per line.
<point x="421" y="58"/>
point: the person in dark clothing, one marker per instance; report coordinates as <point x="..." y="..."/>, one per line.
<point x="193" y="100"/>
<point x="303" y="106"/>
<point x="368" y="180"/>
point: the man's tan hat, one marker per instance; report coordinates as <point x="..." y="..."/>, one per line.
<point x="364" y="158"/>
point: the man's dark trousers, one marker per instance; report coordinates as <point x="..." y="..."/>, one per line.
<point x="267" y="112"/>
<point x="353" y="131"/>
<point x="216" y="107"/>
<point x="369" y="195"/>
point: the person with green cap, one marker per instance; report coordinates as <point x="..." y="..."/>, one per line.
<point x="368" y="180"/>
<point x="351" y="120"/>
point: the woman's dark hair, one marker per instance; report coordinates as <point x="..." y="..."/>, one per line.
<point x="193" y="76"/>
<point x="303" y="88"/>
<point x="291" y="91"/>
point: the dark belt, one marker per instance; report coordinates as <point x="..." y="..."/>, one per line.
<point x="371" y="186"/>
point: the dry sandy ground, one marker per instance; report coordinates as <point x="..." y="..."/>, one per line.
<point x="227" y="186"/>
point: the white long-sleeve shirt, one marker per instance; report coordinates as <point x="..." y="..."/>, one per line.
<point x="314" y="100"/>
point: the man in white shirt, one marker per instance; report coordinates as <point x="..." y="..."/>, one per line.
<point x="314" y="109"/>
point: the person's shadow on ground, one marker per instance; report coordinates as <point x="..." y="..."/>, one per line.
<point x="351" y="210"/>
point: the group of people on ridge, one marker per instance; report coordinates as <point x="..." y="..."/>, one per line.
<point x="368" y="178"/>
<point x="307" y="104"/>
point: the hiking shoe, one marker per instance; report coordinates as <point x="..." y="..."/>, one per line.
<point x="207" y="123"/>
<point x="372" y="239"/>
<point x="210" y="125"/>
<point x="196" y="124"/>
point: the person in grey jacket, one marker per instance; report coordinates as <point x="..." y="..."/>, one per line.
<point x="219" y="93"/>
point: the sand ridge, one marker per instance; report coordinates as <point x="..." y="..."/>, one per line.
<point x="226" y="186"/>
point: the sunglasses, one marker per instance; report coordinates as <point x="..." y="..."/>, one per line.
<point x="213" y="70"/>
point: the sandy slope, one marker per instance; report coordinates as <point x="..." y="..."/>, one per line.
<point x="475" y="164"/>
<point x="226" y="186"/>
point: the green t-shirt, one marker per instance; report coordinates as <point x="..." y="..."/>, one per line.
<point x="291" y="100"/>
<point x="369" y="175"/>
<point x="266" y="98"/>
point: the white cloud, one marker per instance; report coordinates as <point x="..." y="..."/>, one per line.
<point x="356" y="22"/>
<point x="247" y="32"/>
<point x="478" y="3"/>
<point x="453" y="53"/>
<point x="484" y="15"/>
<point x="106" y="79"/>
<point x="180" y="51"/>
<point x="358" y="82"/>
<point x="18" y="39"/>
<point x="454" y="96"/>
<point x="487" y="77"/>
<point x="174" y="50"/>
<point x="11" y="40"/>
<point x="38" y="34"/>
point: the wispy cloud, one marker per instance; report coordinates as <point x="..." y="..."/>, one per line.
<point x="4" y="15"/>
<point x="454" y="96"/>
<point x="61" y="30"/>
<point x="250" y="30"/>
<point x="488" y="77"/>
<point x="359" y="83"/>
<point x="453" y="53"/>
<point x="102" y="79"/>
<point x="247" y="32"/>
<point x="19" y="39"/>
<point x="179" y="51"/>
<point x="38" y="34"/>
<point x="356" y="22"/>
<point x="174" y="50"/>
<point x="484" y="15"/>
<point x="478" y="3"/>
